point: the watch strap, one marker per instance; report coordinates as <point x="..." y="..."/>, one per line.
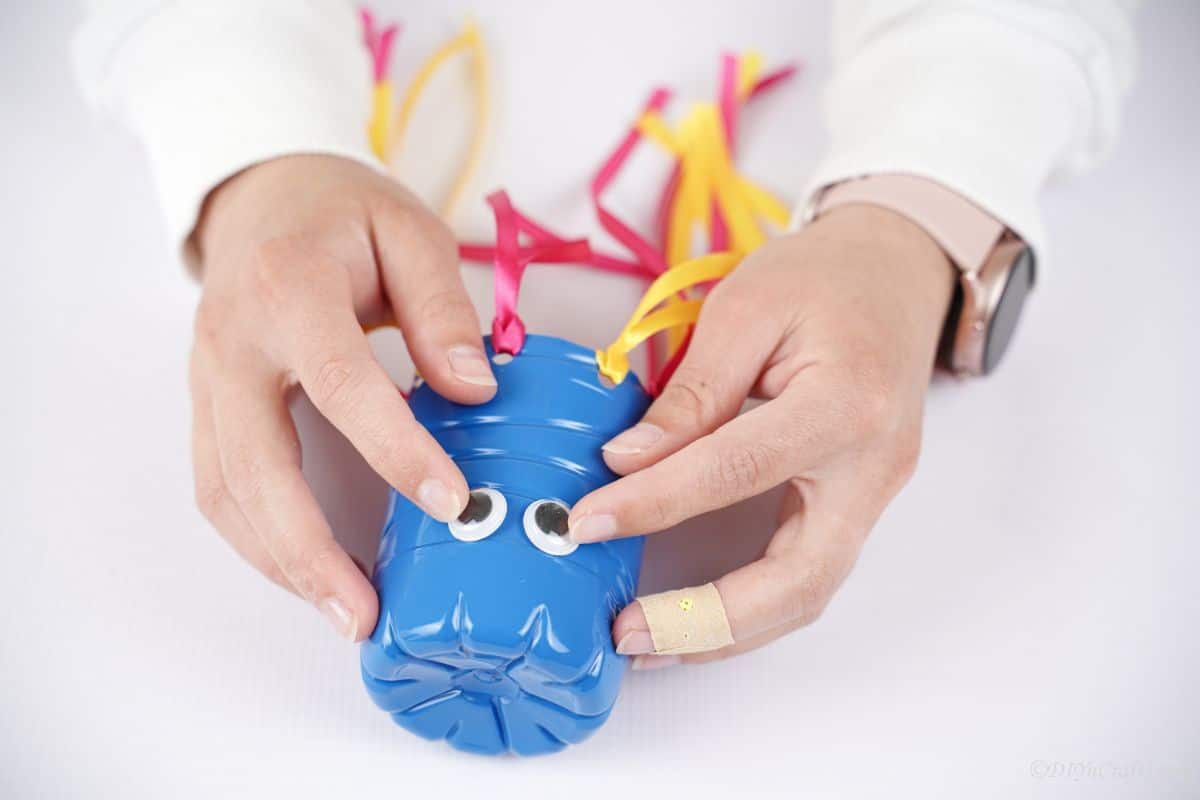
<point x="966" y="232"/>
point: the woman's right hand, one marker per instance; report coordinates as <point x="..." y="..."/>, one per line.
<point x="297" y="255"/>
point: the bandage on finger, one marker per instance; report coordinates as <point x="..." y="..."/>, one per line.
<point x="687" y="620"/>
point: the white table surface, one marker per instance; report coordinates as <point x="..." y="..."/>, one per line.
<point x="1030" y="600"/>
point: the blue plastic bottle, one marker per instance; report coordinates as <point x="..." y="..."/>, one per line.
<point x="493" y="633"/>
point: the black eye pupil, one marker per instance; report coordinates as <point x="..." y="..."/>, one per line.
<point x="479" y="507"/>
<point x="551" y="518"/>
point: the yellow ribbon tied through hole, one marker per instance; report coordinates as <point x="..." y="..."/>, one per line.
<point x="687" y="620"/>
<point x="648" y="318"/>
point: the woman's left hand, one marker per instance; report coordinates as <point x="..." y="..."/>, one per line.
<point x="836" y="326"/>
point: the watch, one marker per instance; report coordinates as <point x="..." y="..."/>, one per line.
<point x="996" y="268"/>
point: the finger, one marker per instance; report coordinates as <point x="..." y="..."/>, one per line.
<point x="419" y="262"/>
<point x="850" y="502"/>
<point x="213" y="498"/>
<point x="708" y="388"/>
<point x="651" y="661"/>
<point x="331" y="357"/>
<point x="260" y="460"/>
<point x="630" y="629"/>
<point x="746" y="456"/>
<point x="808" y="559"/>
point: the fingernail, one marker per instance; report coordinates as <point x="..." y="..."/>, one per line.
<point x="339" y="617"/>
<point x="593" y="527"/>
<point x="438" y="501"/>
<point x="634" y="440"/>
<point x="655" y="662"/>
<point x="635" y="642"/>
<point x="470" y="365"/>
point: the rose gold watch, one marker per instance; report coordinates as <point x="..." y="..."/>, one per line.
<point x="996" y="268"/>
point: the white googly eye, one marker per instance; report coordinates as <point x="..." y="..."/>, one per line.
<point x="486" y="509"/>
<point x="546" y="526"/>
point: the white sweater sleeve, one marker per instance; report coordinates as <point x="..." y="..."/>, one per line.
<point x="991" y="99"/>
<point x="214" y="86"/>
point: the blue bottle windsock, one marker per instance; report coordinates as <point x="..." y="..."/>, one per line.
<point x="494" y="630"/>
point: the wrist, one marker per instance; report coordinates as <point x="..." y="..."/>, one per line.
<point x="215" y="213"/>
<point x="914" y="269"/>
<point x="271" y="197"/>
<point x="996" y="268"/>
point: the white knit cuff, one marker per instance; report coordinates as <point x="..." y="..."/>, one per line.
<point x="215" y="87"/>
<point x="982" y="106"/>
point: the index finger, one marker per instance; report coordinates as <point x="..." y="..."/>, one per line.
<point x="745" y="457"/>
<point x="327" y="350"/>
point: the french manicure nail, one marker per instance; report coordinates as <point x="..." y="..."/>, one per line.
<point x="593" y="527"/>
<point x="655" y="662"/>
<point x="339" y="617"/>
<point x="633" y="440"/>
<point x="635" y="643"/>
<point x="470" y="365"/>
<point x="438" y="501"/>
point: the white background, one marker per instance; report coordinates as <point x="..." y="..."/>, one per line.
<point x="1029" y="599"/>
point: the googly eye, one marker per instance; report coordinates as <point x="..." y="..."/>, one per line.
<point x="486" y="509"/>
<point x="546" y="527"/>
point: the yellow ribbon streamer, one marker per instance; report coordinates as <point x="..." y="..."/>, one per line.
<point x="707" y="176"/>
<point x="645" y="321"/>
<point x="749" y="68"/>
<point x="379" y="128"/>
<point x="390" y="136"/>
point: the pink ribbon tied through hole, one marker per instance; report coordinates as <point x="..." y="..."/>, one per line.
<point x="510" y="260"/>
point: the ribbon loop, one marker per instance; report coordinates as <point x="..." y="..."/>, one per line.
<point x="510" y="260"/>
<point x="386" y="132"/>
<point x="646" y="321"/>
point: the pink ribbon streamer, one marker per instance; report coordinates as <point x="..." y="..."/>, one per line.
<point x="729" y="105"/>
<point x="650" y="261"/>
<point x="510" y="260"/>
<point x="379" y="43"/>
<point x="773" y="79"/>
<point x="728" y="100"/>
<point x="649" y="257"/>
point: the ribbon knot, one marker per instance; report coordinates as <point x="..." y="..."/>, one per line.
<point x="508" y="335"/>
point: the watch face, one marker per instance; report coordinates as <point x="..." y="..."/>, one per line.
<point x="1008" y="309"/>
